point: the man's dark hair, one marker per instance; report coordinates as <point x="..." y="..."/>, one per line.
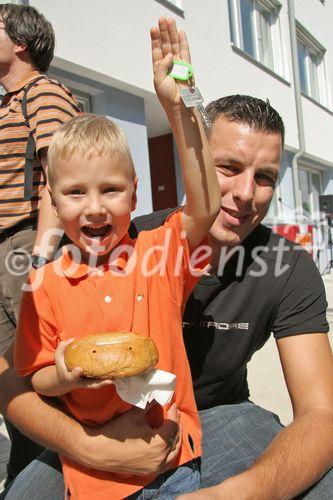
<point x="255" y="112"/>
<point x="25" y="25"/>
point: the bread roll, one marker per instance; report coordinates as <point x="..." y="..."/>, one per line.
<point x="110" y="355"/>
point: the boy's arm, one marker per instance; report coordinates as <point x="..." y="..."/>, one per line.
<point x="149" y="451"/>
<point x="200" y="181"/>
<point x="56" y="380"/>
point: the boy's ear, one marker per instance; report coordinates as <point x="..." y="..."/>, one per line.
<point x="54" y="206"/>
<point x="134" y="197"/>
<point x="19" y="48"/>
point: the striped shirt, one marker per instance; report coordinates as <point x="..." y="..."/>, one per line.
<point x="49" y="104"/>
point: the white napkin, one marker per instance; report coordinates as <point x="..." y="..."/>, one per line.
<point x="140" y="390"/>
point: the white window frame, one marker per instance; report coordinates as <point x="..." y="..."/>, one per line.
<point x="313" y="47"/>
<point x="271" y="6"/>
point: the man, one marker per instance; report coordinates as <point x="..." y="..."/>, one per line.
<point x="272" y="287"/>
<point x="32" y="108"/>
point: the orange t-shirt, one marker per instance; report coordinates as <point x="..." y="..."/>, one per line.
<point x="70" y="301"/>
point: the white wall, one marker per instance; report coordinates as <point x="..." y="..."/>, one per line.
<point x="127" y="110"/>
<point x="111" y="38"/>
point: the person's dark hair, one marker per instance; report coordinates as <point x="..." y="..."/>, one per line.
<point x="255" y="112"/>
<point x="25" y="25"/>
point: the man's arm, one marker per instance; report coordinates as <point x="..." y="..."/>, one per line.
<point x="203" y="199"/>
<point x="49" y="231"/>
<point x="301" y="453"/>
<point x="125" y="445"/>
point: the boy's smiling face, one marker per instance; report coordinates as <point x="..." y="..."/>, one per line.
<point x="93" y="198"/>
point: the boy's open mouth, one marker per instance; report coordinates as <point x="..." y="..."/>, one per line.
<point x="97" y="231"/>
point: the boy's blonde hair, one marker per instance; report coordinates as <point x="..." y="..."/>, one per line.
<point x="88" y="135"/>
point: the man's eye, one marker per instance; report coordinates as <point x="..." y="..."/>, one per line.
<point x="227" y="169"/>
<point x="265" y="179"/>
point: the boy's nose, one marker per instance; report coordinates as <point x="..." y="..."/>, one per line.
<point x="94" y="207"/>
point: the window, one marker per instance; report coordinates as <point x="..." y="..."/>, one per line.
<point x="255" y="29"/>
<point x="83" y="100"/>
<point x="311" y="67"/>
<point x="24" y="2"/>
<point x="310" y="187"/>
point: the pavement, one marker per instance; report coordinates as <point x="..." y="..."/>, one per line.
<point x="266" y="381"/>
<point x="265" y="376"/>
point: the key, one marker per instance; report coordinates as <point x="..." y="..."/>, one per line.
<point x="204" y="117"/>
<point x="192" y="98"/>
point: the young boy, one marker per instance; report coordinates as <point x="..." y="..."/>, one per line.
<point x="107" y="282"/>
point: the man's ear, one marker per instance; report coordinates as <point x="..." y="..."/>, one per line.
<point x="54" y="206"/>
<point x="134" y="197"/>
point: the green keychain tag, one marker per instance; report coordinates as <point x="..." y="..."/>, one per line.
<point x="181" y="70"/>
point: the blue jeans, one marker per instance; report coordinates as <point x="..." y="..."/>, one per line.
<point x="234" y="437"/>
<point x="169" y="485"/>
<point x="17" y="247"/>
<point x="42" y="479"/>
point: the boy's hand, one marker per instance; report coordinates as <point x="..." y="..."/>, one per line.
<point x="73" y="380"/>
<point x="167" y="44"/>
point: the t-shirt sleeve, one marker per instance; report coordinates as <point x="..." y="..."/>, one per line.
<point x="302" y="307"/>
<point x="48" y="106"/>
<point x="180" y="267"/>
<point x="37" y="333"/>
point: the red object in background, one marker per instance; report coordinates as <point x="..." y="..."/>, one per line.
<point x="292" y="232"/>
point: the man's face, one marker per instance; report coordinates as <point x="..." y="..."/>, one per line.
<point x="247" y="165"/>
<point x="7" y="52"/>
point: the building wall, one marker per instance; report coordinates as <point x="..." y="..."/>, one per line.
<point x="127" y="110"/>
<point x="119" y="50"/>
<point x="110" y="47"/>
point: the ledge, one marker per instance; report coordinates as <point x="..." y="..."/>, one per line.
<point x="317" y="103"/>
<point x="260" y="65"/>
<point x="172" y="6"/>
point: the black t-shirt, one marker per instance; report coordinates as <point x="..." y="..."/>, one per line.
<point x="268" y="285"/>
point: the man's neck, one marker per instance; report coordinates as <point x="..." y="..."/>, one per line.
<point x="216" y="247"/>
<point x="15" y="74"/>
<point x="219" y="254"/>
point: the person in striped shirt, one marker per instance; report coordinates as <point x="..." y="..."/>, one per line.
<point x="31" y="110"/>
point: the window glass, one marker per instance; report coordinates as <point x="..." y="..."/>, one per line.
<point x="304" y="185"/>
<point x="265" y="38"/>
<point x="301" y="52"/>
<point x="315" y="180"/>
<point x="246" y="10"/>
<point x="313" y="74"/>
<point x="232" y="22"/>
<point x="310" y="186"/>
